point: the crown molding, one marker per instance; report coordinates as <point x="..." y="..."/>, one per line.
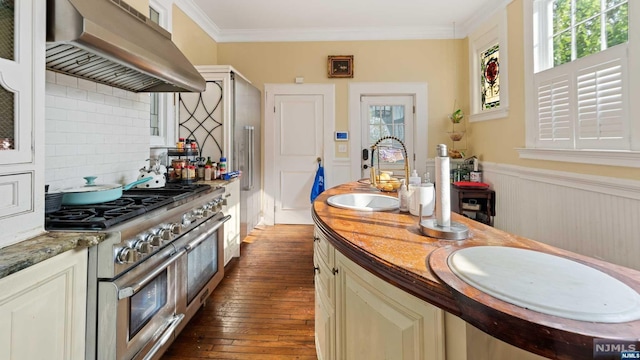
<point x="199" y="17"/>
<point x="338" y="34"/>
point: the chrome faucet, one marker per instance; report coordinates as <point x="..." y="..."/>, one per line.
<point x="372" y="175"/>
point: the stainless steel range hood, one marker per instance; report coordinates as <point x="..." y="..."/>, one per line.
<point x="109" y="42"/>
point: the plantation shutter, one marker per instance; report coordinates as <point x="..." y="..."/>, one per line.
<point x="555" y="120"/>
<point x="601" y="107"/>
<point x="583" y="104"/>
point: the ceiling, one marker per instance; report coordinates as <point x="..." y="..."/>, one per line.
<point x="324" y="20"/>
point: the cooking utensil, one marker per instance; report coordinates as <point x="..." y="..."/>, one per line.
<point x="156" y="172"/>
<point x="92" y="193"/>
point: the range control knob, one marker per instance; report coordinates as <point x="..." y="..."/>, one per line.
<point x="197" y="213"/>
<point x="176" y="228"/>
<point x="165" y="234"/>
<point x="207" y="211"/>
<point x="154" y="239"/>
<point x="143" y="247"/>
<point x="127" y="255"/>
<point x="186" y="219"/>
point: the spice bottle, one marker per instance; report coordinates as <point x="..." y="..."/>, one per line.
<point x="207" y="172"/>
<point x="222" y="166"/>
<point x="180" y="144"/>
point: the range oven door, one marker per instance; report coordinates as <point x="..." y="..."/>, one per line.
<point x="202" y="267"/>
<point x="137" y="311"/>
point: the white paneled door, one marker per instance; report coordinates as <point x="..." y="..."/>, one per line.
<point x="298" y="144"/>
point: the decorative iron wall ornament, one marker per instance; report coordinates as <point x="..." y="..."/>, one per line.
<point x="202" y="121"/>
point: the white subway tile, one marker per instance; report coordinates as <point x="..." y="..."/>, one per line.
<point x="66" y="103"/>
<point x="95" y="98"/>
<point x="66" y="149"/>
<point x="88" y="106"/>
<point x="50" y="76"/>
<point x="123" y="94"/>
<point x="104" y="109"/>
<point x="111" y="100"/>
<point x="66" y="80"/>
<point x="54" y="138"/>
<point x="88" y="85"/>
<point x="76" y="116"/>
<point x="104" y="89"/>
<point x="55" y="89"/>
<point x="52" y="113"/>
<point x="76" y="93"/>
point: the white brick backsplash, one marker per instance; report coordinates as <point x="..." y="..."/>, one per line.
<point x="76" y="93"/>
<point x="66" y="80"/>
<point x="93" y="129"/>
<point x="104" y="89"/>
<point x="55" y="89"/>
<point x="50" y="77"/>
<point x="90" y="86"/>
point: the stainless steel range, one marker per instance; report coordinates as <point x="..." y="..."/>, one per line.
<point x="162" y="257"/>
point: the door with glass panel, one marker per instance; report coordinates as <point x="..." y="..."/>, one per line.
<point x="386" y="116"/>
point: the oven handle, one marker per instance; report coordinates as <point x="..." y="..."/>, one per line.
<point x="129" y="290"/>
<point x="208" y="233"/>
<point x="166" y="335"/>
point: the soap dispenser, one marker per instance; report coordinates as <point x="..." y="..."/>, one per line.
<point x="403" y="196"/>
<point x="414" y="179"/>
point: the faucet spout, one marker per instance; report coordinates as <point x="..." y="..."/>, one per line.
<point x="406" y="160"/>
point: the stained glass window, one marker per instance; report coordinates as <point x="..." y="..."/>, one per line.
<point x="490" y="77"/>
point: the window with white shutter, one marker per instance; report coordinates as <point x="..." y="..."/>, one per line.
<point x="579" y="81"/>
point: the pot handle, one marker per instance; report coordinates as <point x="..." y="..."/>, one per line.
<point x="90" y="180"/>
<point x="137" y="182"/>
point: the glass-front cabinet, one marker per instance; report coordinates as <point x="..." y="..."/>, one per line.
<point x="22" y="72"/>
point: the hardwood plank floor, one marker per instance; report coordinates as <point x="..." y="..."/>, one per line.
<point x="263" y="308"/>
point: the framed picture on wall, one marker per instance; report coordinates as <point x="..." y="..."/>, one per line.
<point x="340" y="66"/>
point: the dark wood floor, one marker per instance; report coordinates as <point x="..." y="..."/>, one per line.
<point x="264" y="307"/>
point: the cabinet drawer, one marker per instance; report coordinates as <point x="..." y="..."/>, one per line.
<point x="16" y="196"/>
<point x="324" y="278"/>
<point x="323" y="248"/>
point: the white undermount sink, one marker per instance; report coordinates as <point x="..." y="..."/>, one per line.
<point x="546" y="283"/>
<point x="364" y="202"/>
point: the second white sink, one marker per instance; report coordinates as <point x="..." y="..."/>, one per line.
<point x="364" y="202"/>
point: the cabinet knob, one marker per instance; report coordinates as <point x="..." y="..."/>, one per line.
<point x="315" y="238"/>
<point x="316" y="270"/>
<point x="334" y="271"/>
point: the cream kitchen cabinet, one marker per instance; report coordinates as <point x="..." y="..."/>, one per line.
<point x="43" y="309"/>
<point x="22" y="75"/>
<point x="231" y="207"/>
<point x="359" y="316"/>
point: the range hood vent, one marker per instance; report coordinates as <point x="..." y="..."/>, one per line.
<point x="109" y="42"/>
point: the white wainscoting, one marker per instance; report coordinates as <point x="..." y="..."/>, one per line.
<point x="595" y="216"/>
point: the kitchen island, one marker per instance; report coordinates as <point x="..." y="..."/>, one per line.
<point x="389" y="247"/>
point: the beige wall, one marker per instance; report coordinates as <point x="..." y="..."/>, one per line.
<point x="496" y="140"/>
<point x="430" y="61"/>
<point x="436" y="62"/>
<point x="196" y="44"/>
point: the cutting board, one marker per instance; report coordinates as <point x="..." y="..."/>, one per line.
<point x="546" y="283"/>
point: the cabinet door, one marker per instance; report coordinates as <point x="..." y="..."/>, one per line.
<point x="375" y="320"/>
<point x="17" y="37"/>
<point x="232" y="227"/>
<point x="43" y="308"/>
<point x="324" y="324"/>
<point x="22" y="73"/>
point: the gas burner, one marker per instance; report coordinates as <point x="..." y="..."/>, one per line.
<point x="133" y="203"/>
<point x="72" y="215"/>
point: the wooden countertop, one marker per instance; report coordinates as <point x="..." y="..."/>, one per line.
<point x="390" y="245"/>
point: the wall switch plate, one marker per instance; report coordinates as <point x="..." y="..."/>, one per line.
<point x="342" y="148"/>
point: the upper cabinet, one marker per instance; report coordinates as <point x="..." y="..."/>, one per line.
<point x="22" y="73"/>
